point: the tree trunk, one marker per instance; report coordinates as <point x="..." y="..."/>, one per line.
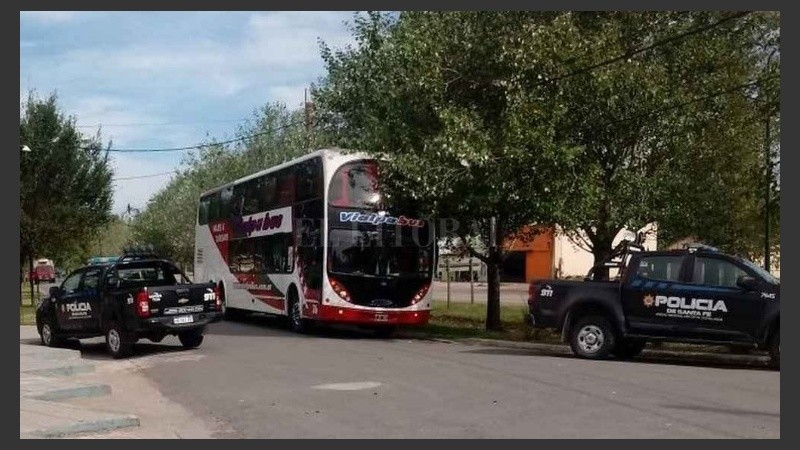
<point x="493" y="293"/>
<point x="493" y="283"/>
<point x="601" y="249"/>
<point x="30" y="276"/>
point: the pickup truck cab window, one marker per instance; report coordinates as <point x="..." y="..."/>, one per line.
<point x="72" y="283"/>
<point x="91" y="279"/>
<point x="716" y="272"/>
<point x="660" y="267"/>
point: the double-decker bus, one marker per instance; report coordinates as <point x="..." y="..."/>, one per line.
<point x="310" y="239"/>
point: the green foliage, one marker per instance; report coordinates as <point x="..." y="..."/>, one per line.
<point x="671" y="135"/>
<point x="65" y="183"/>
<point x="437" y="96"/>
<point x="558" y="117"/>
<point x="168" y="222"/>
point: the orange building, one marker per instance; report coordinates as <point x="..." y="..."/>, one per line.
<point x="529" y="259"/>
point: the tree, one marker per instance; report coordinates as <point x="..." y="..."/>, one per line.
<point x="725" y="184"/>
<point x="437" y="98"/>
<point x="65" y="183"/>
<point x="659" y="104"/>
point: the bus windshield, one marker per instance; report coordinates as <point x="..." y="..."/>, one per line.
<point x="379" y="253"/>
<point x="355" y="185"/>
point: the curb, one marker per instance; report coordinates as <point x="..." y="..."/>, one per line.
<point x="95" y="426"/>
<point x="76" y="392"/>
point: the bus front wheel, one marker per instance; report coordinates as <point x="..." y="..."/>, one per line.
<point x="296" y="320"/>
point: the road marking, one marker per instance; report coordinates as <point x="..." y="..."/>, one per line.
<point x="356" y="386"/>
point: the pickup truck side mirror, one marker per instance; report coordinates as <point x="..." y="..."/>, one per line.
<point x="54" y="291"/>
<point x="747" y="283"/>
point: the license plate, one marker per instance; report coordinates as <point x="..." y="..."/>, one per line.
<point x="381" y="317"/>
<point x="183" y="319"/>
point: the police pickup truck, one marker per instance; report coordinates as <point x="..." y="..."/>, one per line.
<point x="696" y="295"/>
<point x="138" y="296"/>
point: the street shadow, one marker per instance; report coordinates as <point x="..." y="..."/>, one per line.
<point x="708" y="360"/>
<point x="95" y="350"/>
<point x="257" y="324"/>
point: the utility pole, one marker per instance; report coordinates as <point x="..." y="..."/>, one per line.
<point x="308" y="109"/>
<point x="768" y="160"/>
<point x="471" y="282"/>
<point x="447" y="271"/>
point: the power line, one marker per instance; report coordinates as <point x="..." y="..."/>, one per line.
<point x="144" y="176"/>
<point x="205" y="145"/>
<point x="710" y="96"/>
<point x="635" y="52"/>
<point x="154" y="124"/>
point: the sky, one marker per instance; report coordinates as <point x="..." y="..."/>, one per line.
<point x="170" y="79"/>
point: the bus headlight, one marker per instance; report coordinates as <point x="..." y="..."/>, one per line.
<point x="420" y="293"/>
<point x="339" y="289"/>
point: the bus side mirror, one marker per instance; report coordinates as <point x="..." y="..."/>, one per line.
<point x="747" y="283"/>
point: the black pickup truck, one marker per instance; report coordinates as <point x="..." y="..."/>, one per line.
<point x="138" y="296"/>
<point x="696" y="295"/>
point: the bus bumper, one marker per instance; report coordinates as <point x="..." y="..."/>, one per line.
<point x="371" y="317"/>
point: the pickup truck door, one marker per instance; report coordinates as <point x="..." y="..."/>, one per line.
<point x="650" y="279"/>
<point x="67" y="298"/>
<point x="78" y="307"/>
<point x="736" y="312"/>
<point x="89" y="303"/>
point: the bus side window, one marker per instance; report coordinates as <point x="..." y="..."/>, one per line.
<point x="251" y="201"/>
<point x="309" y="180"/>
<point x="239" y="193"/>
<point x="226" y="203"/>
<point x="286" y="187"/>
<point x="202" y="210"/>
<point x="269" y="192"/>
<point x="214" y="207"/>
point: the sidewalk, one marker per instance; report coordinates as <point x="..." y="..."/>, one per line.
<point x="65" y="395"/>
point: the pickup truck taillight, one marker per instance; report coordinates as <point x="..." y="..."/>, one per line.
<point x="143" y="303"/>
<point x="217" y="297"/>
<point x="532" y="290"/>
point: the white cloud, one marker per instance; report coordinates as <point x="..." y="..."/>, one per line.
<point x="49" y="17"/>
<point x="136" y="192"/>
<point x="273" y="45"/>
<point x="291" y="95"/>
<point x="267" y="57"/>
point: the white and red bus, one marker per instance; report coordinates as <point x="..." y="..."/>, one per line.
<point x="309" y="239"/>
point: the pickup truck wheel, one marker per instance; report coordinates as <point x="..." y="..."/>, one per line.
<point x="48" y="335"/>
<point x="628" y="348"/>
<point x="117" y="342"/>
<point x="775" y="349"/>
<point x="191" y="339"/>
<point x="592" y="337"/>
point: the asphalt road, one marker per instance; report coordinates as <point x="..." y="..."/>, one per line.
<point x="262" y="381"/>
